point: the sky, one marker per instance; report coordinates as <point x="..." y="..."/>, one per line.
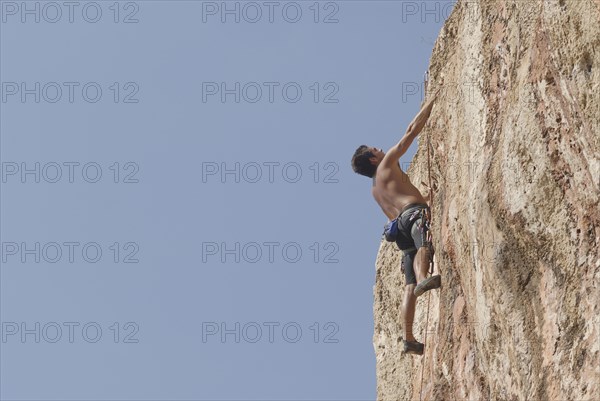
<point x="179" y="217"/>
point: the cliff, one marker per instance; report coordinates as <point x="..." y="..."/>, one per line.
<point x="515" y="146"/>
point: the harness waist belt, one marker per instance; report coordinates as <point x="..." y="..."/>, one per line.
<point x="411" y="206"/>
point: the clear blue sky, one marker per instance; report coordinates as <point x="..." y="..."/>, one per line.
<point x="279" y="251"/>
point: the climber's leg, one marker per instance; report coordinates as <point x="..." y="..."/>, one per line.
<point x="422" y="262"/>
<point x="411" y="345"/>
<point x="408" y="311"/>
<point x="408" y="305"/>
<point x="425" y="284"/>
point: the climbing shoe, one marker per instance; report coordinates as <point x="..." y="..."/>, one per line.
<point x="428" y="284"/>
<point x="413" y="347"/>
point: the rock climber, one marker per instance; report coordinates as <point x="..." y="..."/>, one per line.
<point x="404" y="205"/>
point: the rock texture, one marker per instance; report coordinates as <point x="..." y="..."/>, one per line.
<point x="515" y="144"/>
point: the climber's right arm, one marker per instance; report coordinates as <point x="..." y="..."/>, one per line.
<point x="393" y="155"/>
<point x="414" y="128"/>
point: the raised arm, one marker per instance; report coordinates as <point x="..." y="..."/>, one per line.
<point x="414" y="128"/>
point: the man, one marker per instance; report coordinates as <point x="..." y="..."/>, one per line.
<point x="399" y="198"/>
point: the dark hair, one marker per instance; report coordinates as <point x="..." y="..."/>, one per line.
<point x="361" y="163"/>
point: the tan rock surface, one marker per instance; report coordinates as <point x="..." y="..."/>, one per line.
<point x="516" y="156"/>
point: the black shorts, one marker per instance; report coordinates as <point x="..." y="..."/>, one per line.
<point x="412" y="235"/>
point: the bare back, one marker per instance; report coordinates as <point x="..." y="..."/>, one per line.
<point x="393" y="190"/>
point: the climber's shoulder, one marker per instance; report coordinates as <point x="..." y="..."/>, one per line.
<point x="389" y="168"/>
<point x="390" y="157"/>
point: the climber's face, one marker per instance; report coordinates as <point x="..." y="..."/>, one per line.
<point x="377" y="156"/>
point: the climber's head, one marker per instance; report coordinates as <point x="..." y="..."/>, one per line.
<point x="366" y="159"/>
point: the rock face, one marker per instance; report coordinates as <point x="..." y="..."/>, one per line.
<point x="515" y="146"/>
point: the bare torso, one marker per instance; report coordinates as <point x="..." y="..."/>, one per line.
<point x="393" y="190"/>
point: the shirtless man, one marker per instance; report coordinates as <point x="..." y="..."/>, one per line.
<point x="399" y="198"/>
